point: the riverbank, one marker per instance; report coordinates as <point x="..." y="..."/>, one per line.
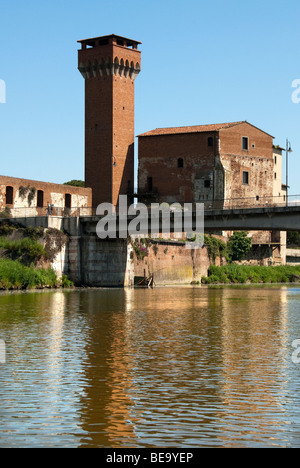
<point x="244" y="274"/>
<point x="16" y="276"/>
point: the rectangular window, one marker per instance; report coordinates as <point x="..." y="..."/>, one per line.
<point x="245" y="178"/>
<point x="9" y="195"/>
<point x="68" y="200"/>
<point x="40" y="198"/>
<point x="207" y="183"/>
<point x="245" y="143"/>
<point x="150" y="184"/>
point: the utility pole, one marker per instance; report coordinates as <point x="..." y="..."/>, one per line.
<point x="287" y="151"/>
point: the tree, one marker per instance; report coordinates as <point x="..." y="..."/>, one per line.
<point x="293" y="238"/>
<point x="239" y="245"/>
<point x="75" y="183"/>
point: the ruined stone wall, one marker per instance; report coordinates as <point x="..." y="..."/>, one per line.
<point x="257" y="161"/>
<point x="25" y="197"/>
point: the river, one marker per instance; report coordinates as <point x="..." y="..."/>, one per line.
<point x="169" y="367"/>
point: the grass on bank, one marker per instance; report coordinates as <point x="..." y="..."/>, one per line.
<point x="243" y="274"/>
<point x="19" y="258"/>
<point x="15" y="276"/>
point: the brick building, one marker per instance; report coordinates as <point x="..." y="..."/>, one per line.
<point x="222" y="165"/>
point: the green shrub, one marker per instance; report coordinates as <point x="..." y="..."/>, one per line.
<point x="66" y="283"/>
<point x="14" y="275"/>
<point x="242" y="274"/>
<point x="24" y="250"/>
<point x="239" y="245"/>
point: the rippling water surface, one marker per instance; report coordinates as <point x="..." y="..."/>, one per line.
<point x="186" y="367"/>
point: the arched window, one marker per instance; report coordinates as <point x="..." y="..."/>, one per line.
<point x="9" y="195"/>
<point x="180" y="163"/>
<point x="68" y="200"/>
<point x="40" y="198"/>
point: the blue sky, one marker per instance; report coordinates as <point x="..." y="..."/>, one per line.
<point x="202" y="62"/>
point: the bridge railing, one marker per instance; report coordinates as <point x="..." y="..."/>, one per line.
<point x="209" y="205"/>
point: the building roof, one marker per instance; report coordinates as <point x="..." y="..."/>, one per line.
<point x="195" y="129"/>
<point x="93" y="39"/>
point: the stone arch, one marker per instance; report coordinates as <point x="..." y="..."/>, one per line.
<point x="132" y="70"/>
<point x="108" y="66"/>
<point x="116" y="65"/>
<point x="122" y="67"/>
<point x="127" y="67"/>
<point x="95" y="68"/>
<point x="101" y="67"/>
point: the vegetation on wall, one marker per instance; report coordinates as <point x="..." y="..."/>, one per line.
<point x="215" y="247"/>
<point x="140" y="247"/>
<point x="55" y="240"/>
<point x="235" y="249"/>
<point x="28" y="192"/>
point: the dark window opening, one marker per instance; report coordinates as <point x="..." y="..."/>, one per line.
<point x="180" y="163"/>
<point x="103" y="42"/>
<point x="120" y="42"/>
<point x="40" y="198"/>
<point x="245" y="177"/>
<point x="245" y="143"/>
<point x="9" y="195"/>
<point x="150" y="184"/>
<point x="210" y="141"/>
<point x="207" y="184"/>
<point x="275" y="175"/>
<point x="68" y="200"/>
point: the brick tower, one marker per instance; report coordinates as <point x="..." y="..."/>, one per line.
<point x="109" y="65"/>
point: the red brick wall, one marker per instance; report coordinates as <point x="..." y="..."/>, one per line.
<point x="158" y="156"/>
<point x="223" y="164"/>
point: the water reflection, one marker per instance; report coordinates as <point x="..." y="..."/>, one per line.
<point x="188" y="367"/>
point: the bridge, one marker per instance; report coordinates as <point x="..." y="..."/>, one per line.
<point x="91" y="261"/>
<point x="262" y="219"/>
<point x="236" y="219"/>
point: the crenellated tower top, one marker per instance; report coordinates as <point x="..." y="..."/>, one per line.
<point x="109" y="56"/>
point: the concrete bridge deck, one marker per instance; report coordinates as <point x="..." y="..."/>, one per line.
<point x="237" y="219"/>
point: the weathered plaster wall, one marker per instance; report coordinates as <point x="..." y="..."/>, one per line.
<point x="172" y="264"/>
